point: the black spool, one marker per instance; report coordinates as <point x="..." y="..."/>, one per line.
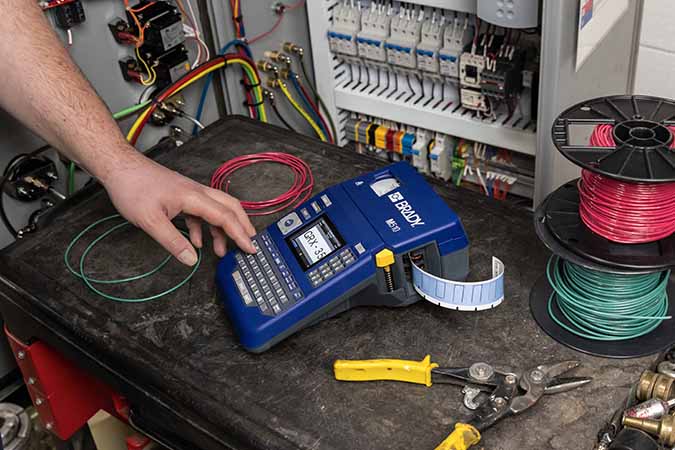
<point x="642" y="152"/>
<point x="559" y="213"/>
<point x="658" y="340"/>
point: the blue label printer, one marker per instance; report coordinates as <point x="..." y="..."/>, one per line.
<point x="351" y="245"/>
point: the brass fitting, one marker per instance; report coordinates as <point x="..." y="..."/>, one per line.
<point x="655" y="385"/>
<point x="290" y="47"/>
<point x="285" y="74"/>
<point x="664" y="429"/>
<point x="266" y="66"/>
<point x="277" y="57"/>
<point x="273" y="83"/>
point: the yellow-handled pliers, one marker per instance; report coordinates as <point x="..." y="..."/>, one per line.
<point x="510" y="392"/>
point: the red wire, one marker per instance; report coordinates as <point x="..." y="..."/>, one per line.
<point x="299" y="191"/>
<point x="170" y="90"/>
<point x="255" y="39"/>
<point x="318" y="112"/>
<point x="624" y="212"/>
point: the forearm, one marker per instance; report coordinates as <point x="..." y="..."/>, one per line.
<point x="46" y="91"/>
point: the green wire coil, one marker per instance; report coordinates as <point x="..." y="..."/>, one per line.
<point x="604" y="306"/>
<point x="90" y="282"/>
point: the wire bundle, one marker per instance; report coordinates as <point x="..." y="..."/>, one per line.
<point x="192" y="76"/>
<point x="624" y="212"/>
<point x="604" y="306"/>
<point x="300" y="190"/>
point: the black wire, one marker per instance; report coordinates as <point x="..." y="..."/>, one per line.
<point x="280" y="117"/>
<point x="315" y="92"/>
<point x="8" y="174"/>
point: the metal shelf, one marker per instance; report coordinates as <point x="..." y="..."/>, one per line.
<point x="442" y="120"/>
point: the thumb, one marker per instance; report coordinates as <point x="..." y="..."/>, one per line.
<point x="165" y="233"/>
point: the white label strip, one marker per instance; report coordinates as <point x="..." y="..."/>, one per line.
<point x="462" y="296"/>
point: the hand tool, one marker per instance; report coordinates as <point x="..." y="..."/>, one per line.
<point x="510" y="391"/>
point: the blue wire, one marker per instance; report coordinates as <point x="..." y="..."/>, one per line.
<point x="308" y="105"/>
<point x="209" y="78"/>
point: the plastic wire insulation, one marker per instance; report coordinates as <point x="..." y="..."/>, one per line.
<point x="625" y="212"/>
<point x="90" y="282"/>
<point x="302" y="112"/>
<point x="603" y="136"/>
<point x="310" y="107"/>
<point x="628" y="213"/>
<point x="299" y="191"/>
<point x="209" y="79"/>
<point x="193" y="76"/>
<point x="316" y="95"/>
<point x="280" y="117"/>
<point x="606" y="307"/>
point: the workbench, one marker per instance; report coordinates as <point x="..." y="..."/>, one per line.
<point x="191" y="385"/>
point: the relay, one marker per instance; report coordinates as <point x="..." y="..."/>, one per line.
<point x="163" y="27"/>
<point x="69" y="14"/>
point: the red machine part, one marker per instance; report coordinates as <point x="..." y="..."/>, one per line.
<point x="65" y="396"/>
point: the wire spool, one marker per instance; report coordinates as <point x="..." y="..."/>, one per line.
<point x="299" y="191"/>
<point x="640" y="146"/>
<point x="560" y="226"/>
<point x="604" y="314"/>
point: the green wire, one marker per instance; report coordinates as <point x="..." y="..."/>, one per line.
<point x="117" y="116"/>
<point x="318" y="98"/>
<point x="131" y="110"/>
<point x="604" y="306"/>
<point x="89" y="281"/>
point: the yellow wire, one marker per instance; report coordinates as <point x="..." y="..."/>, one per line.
<point x="151" y="72"/>
<point x="256" y="81"/>
<point x="302" y="112"/>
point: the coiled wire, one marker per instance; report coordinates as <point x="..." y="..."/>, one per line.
<point x="300" y="190"/>
<point x="605" y="306"/>
<point x="623" y="212"/>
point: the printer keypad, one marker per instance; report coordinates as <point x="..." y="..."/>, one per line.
<point x="327" y="270"/>
<point x="268" y="279"/>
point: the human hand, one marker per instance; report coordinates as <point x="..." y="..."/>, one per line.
<point x="149" y="195"/>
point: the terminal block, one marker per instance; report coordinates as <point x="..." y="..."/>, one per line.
<point x="374" y="32"/>
<point x="346" y="25"/>
<point x="440" y="156"/>
<point x="420" y="150"/>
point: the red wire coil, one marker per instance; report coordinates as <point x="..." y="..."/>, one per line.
<point x="624" y="212"/>
<point x="299" y="191"/>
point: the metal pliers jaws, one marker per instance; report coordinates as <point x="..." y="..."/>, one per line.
<point x="508" y="392"/>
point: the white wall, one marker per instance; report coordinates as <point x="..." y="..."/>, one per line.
<point x="655" y="71"/>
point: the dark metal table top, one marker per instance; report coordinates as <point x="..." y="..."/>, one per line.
<point x="179" y="363"/>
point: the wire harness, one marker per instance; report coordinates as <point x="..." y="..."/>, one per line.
<point x="300" y="190"/>
<point x="605" y="306"/>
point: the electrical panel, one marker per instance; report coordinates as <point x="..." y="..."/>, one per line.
<point x="436" y="76"/>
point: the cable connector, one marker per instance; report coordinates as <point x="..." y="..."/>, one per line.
<point x="278" y="57"/>
<point x="290" y="47"/>
<point x="267" y="67"/>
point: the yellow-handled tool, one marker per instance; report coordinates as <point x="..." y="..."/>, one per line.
<point x="505" y="398"/>
<point x="385" y="369"/>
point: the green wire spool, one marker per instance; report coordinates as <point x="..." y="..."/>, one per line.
<point x="611" y="314"/>
<point x="91" y="282"/>
<point x="607" y="306"/>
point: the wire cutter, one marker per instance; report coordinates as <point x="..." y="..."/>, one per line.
<point x="506" y="392"/>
